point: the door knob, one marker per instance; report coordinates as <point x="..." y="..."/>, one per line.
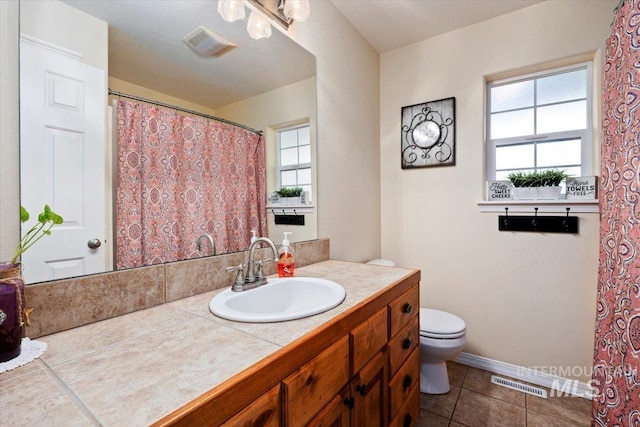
<point x="94" y="243"/>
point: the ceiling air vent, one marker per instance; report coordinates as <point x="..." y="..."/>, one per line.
<point x="207" y="43"/>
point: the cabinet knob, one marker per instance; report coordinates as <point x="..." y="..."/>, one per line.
<point x="406" y="344"/>
<point x="407" y="308"/>
<point x="349" y="402"/>
<point x="406" y="383"/>
<point x="407" y="420"/>
<point x="362" y="389"/>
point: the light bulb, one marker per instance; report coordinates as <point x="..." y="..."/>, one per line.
<point x="298" y="10"/>
<point x="231" y="10"/>
<point x="258" y="27"/>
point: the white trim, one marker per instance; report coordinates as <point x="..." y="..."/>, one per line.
<point x="544" y="206"/>
<point x="77" y="56"/>
<point x="522" y="373"/>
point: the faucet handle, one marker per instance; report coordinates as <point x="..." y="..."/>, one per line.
<point x="238" y="282"/>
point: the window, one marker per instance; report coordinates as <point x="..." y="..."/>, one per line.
<point x="539" y="122"/>
<point x="294" y="157"/>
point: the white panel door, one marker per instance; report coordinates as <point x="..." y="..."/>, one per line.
<point x="62" y="161"/>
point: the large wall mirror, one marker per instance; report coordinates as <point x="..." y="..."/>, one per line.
<point x="136" y="48"/>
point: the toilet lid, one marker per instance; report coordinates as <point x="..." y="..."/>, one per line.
<point x="440" y="324"/>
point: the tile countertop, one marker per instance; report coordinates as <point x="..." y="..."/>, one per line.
<point x="134" y="369"/>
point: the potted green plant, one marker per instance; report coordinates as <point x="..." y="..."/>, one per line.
<point x="14" y="315"/>
<point x="289" y="195"/>
<point x="543" y="185"/>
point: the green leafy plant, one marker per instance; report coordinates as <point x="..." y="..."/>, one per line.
<point x="290" y="191"/>
<point x="46" y="220"/>
<point x="552" y="177"/>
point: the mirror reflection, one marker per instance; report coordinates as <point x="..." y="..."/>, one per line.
<point x="138" y="181"/>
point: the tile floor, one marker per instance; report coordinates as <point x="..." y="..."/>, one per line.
<point x="474" y="402"/>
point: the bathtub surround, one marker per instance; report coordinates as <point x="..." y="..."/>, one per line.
<point x="617" y="336"/>
<point x="69" y="303"/>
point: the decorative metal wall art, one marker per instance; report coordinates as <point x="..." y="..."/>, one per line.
<point x="428" y="136"/>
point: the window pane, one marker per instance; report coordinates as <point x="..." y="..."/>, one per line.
<point x="305" y="154"/>
<point x="515" y="123"/>
<point x="304" y="176"/>
<point x="559" y="153"/>
<point x="288" y="138"/>
<point x="515" y="157"/>
<point x="289" y="157"/>
<point x="561" y="117"/>
<point x="512" y="96"/>
<point x="562" y="87"/>
<point x="504" y="175"/>
<point x="288" y="178"/>
<point x="304" y="136"/>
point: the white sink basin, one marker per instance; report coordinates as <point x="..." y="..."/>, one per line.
<point x="280" y="299"/>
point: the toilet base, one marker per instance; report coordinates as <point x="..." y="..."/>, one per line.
<point x="434" y="378"/>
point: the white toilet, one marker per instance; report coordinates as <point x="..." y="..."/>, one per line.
<point x="442" y="336"/>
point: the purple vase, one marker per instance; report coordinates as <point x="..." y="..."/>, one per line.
<point x="12" y="304"/>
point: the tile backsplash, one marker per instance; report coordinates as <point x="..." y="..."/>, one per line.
<point x="64" y="304"/>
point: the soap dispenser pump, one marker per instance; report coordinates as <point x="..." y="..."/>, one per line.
<point x="286" y="260"/>
<point x="254" y="236"/>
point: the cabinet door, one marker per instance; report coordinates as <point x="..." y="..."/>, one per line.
<point x="264" y="412"/>
<point x="368" y="338"/>
<point x="310" y="388"/>
<point x="369" y="388"/>
<point x="336" y="413"/>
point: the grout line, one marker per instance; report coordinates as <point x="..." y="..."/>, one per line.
<point x="74" y="398"/>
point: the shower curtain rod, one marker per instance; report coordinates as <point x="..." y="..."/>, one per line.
<point x="184" y="110"/>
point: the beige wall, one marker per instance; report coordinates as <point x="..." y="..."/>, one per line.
<point x="348" y="132"/>
<point x="286" y="106"/>
<point x="527" y="298"/>
<point x="9" y="130"/>
<point x="143" y="92"/>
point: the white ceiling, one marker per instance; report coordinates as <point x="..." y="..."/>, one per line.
<point x="146" y="47"/>
<point x="389" y="24"/>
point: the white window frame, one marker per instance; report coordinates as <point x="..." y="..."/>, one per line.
<point x="297" y="166"/>
<point x="585" y="135"/>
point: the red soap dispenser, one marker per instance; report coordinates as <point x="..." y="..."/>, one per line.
<point x="286" y="260"/>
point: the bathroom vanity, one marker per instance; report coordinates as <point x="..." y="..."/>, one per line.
<point x="177" y="364"/>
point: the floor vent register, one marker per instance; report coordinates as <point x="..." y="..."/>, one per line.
<point x="519" y="386"/>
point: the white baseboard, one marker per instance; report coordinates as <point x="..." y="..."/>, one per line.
<point x="562" y="385"/>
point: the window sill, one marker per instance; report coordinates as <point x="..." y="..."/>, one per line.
<point x="544" y="206"/>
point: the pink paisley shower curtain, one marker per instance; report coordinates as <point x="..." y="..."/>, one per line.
<point x="181" y="176"/>
<point x="616" y="375"/>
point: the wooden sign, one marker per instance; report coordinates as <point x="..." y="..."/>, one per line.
<point x="499" y="190"/>
<point x="582" y="187"/>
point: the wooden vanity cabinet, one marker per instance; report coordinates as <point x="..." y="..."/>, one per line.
<point x="404" y="359"/>
<point x="361" y="369"/>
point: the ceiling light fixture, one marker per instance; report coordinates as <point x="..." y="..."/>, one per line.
<point x="231" y="10"/>
<point x="298" y="10"/>
<point x="258" y="25"/>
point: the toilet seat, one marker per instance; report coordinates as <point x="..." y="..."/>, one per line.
<point x="440" y="324"/>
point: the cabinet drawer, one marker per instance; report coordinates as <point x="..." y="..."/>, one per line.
<point x="402" y="309"/>
<point x="409" y="413"/>
<point x="368" y="338"/>
<point x="312" y="386"/>
<point x="402" y="384"/>
<point x="264" y="412"/>
<point x="402" y="344"/>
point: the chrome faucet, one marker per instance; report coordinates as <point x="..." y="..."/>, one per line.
<point x="206" y="236"/>
<point x="255" y="274"/>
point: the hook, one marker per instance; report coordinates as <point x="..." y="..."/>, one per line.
<point x="565" y="222"/>
<point x="568" y="209"/>
<point x="505" y="221"/>
<point x="534" y="221"/>
<point x="295" y="213"/>
<point x="283" y="212"/>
